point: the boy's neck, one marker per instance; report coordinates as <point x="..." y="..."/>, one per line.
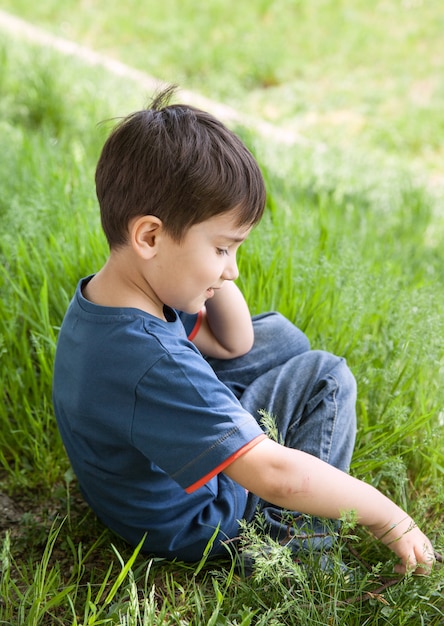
<point x="118" y="284"/>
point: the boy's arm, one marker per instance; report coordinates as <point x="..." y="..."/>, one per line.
<point x="297" y="481"/>
<point x="226" y="329"/>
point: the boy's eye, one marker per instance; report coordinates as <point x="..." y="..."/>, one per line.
<point x="223" y="251"/>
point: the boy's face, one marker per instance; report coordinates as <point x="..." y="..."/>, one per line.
<point x="184" y="275"/>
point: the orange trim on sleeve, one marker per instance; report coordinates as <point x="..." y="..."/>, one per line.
<point x="202" y="481"/>
<point x="195" y="330"/>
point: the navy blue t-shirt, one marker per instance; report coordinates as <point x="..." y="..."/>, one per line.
<point x="147" y="427"/>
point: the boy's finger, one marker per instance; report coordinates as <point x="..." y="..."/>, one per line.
<point x="421" y="569"/>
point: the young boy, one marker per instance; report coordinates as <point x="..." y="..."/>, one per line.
<point x="161" y="374"/>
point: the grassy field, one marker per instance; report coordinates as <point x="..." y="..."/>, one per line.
<point x="334" y="71"/>
<point x="350" y="250"/>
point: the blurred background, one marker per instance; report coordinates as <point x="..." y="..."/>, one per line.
<point x="360" y="76"/>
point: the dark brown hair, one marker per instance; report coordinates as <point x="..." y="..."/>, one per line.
<point x="178" y="163"/>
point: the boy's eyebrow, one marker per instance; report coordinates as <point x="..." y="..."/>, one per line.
<point x="235" y="239"/>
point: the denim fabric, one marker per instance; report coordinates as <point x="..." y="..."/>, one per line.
<point x="311" y="395"/>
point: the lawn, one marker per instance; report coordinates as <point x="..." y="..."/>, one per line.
<point x="350" y="250"/>
<point x="336" y="72"/>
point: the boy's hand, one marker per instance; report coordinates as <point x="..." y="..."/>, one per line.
<point x="226" y="329"/>
<point x="410" y="544"/>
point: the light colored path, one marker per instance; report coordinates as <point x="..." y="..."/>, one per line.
<point x="20" y="28"/>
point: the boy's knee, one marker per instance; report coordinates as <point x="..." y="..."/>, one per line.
<point x="336" y="367"/>
<point x="345" y="397"/>
<point x="346" y="379"/>
<point x="343" y="373"/>
<point x="276" y="330"/>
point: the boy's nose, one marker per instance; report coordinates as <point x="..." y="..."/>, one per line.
<point x="231" y="271"/>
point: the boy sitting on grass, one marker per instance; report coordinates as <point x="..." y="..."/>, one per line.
<point x="161" y="375"/>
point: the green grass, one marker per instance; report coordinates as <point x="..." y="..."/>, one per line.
<point x="351" y="253"/>
<point x="337" y="72"/>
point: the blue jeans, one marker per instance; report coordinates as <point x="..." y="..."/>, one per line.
<point x="311" y="395"/>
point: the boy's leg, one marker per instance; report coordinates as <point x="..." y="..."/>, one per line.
<point x="312" y="399"/>
<point x="310" y="394"/>
<point x="276" y="340"/>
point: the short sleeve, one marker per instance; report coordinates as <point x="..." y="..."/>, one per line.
<point x="193" y="423"/>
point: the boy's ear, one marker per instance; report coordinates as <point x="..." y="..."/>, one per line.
<point x="144" y="235"/>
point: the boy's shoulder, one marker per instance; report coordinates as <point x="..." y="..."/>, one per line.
<point x="90" y="328"/>
<point x="80" y="307"/>
<point x="121" y="348"/>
